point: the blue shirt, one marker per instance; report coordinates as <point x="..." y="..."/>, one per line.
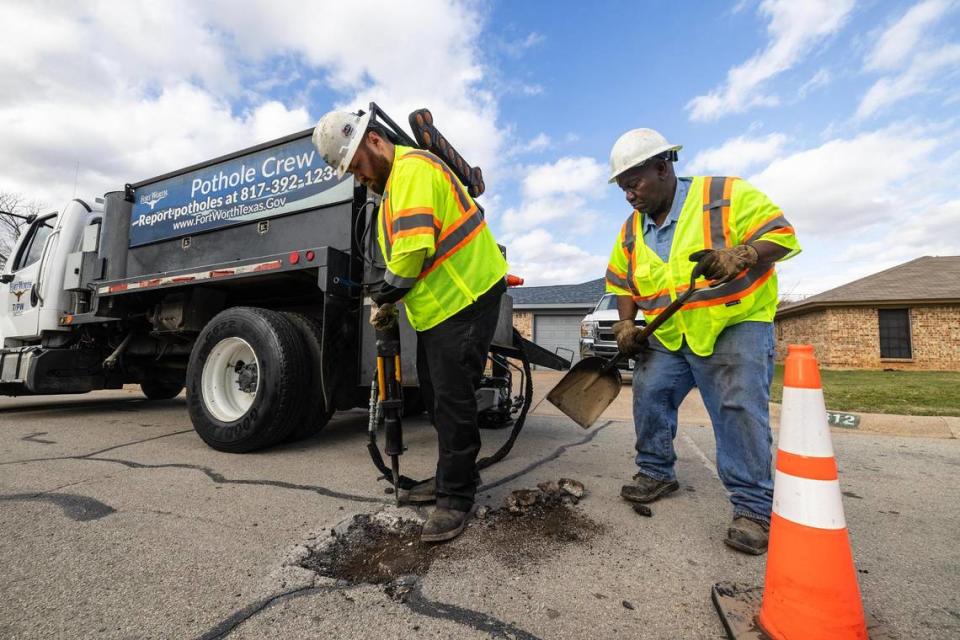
<point x="660" y="238"/>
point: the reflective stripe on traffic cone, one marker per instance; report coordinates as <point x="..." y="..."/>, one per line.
<point x="810" y="590"/>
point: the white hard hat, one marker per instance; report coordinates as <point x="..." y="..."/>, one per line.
<point x="337" y="136"/>
<point x="634" y="147"/>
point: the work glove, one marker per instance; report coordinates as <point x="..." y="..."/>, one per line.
<point x="384" y="316"/>
<point x="724" y="264"/>
<point x="628" y="338"/>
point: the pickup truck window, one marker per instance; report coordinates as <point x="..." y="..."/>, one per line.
<point x="607" y="303"/>
<point x="33" y="247"/>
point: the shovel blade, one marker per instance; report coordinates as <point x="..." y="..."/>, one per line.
<point x="586" y="391"/>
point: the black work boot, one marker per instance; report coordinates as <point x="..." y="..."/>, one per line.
<point x="647" y="489"/>
<point x="423" y="493"/>
<point x="748" y="535"/>
<point x="444" y="524"/>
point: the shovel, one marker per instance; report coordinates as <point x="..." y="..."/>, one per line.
<point x="594" y="382"/>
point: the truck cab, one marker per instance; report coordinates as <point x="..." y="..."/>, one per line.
<point x="35" y="285"/>
<point x="596" y="331"/>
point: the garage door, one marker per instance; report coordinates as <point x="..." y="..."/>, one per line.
<point x="558" y="334"/>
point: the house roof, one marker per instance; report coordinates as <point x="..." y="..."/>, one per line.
<point x="583" y="295"/>
<point x="930" y="279"/>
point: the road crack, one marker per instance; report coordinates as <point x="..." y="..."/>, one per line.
<point x="98" y="452"/>
<point x="559" y="451"/>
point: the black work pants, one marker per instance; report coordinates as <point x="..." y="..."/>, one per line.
<point x="450" y="361"/>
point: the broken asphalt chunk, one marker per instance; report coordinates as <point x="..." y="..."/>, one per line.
<point x="572" y="488"/>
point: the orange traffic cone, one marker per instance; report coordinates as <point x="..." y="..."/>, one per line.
<point x="810" y="591"/>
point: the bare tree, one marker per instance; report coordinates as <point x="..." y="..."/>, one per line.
<point x="10" y="225"/>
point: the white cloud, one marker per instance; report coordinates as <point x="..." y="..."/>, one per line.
<point x="914" y="59"/>
<point x="868" y="202"/>
<point x="557" y="191"/>
<point x="895" y="45"/>
<point x="566" y="176"/>
<point x="928" y="71"/>
<point x="538" y="143"/>
<point x="820" y="79"/>
<point x="539" y="258"/>
<point x="559" y="203"/>
<point x="134" y="89"/>
<point x="855" y="183"/>
<point x="736" y="155"/>
<point x="794" y="29"/>
<point x="516" y="48"/>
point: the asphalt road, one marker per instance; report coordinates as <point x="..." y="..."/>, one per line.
<point x="116" y="521"/>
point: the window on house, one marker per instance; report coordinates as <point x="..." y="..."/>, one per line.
<point x="895" y="333"/>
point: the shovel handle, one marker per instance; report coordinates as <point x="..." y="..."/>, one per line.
<point x="666" y="314"/>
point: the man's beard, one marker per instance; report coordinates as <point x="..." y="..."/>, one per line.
<point x="381" y="172"/>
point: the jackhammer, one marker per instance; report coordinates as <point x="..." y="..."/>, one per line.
<point x="386" y="406"/>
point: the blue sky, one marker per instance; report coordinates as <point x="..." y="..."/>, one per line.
<point x="843" y="112"/>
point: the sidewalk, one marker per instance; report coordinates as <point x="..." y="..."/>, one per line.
<point x="692" y="411"/>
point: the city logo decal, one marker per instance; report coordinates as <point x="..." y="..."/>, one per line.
<point x="153" y="198"/>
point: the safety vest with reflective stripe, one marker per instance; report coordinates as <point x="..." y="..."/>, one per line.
<point x="718" y="212"/>
<point x="425" y="207"/>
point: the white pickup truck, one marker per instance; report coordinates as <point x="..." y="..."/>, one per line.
<point x="596" y="331"/>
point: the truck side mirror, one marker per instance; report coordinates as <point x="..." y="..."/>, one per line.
<point x="6" y="278"/>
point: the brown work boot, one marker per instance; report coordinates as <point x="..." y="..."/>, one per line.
<point x="748" y="535"/>
<point x="444" y="524"/>
<point x="423" y="493"/>
<point x="646" y="489"/>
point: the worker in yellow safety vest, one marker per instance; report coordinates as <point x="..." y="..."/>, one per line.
<point x="443" y="263"/>
<point x="721" y="341"/>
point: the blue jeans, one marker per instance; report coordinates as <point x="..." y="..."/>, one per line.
<point x="734" y="382"/>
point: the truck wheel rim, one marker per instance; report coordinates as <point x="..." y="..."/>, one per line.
<point x="220" y="379"/>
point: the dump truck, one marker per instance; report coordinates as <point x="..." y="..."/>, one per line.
<point x="240" y="279"/>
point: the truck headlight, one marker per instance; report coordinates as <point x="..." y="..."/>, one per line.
<point x="588" y="329"/>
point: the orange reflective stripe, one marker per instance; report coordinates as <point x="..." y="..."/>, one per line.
<point x="653" y="305"/>
<point x="464" y="203"/>
<point x="749" y="286"/>
<point x="810" y="467"/>
<point x="414" y="231"/>
<point x="385" y="229"/>
<point x="616" y="278"/>
<point x="440" y="258"/>
<point x="777" y="223"/>
<point x="716" y="212"/>
<point x="387" y="217"/>
<point x="413" y="211"/>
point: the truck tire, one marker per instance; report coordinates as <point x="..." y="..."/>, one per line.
<point x="317" y="415"/>
<point x="246" y="380"/>
<point x="161" y="389"/>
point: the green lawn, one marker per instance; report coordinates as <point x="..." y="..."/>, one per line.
<point x="917" y="393"/>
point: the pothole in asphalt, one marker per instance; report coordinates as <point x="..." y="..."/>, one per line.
<point x="535" y="523"/>
<point x="373" y="549"/>
<point x="382" y="547"/>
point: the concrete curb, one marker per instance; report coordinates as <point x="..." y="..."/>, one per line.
<point x="946" y="427"/>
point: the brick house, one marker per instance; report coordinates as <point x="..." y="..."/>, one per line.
<point x="907" y="317"/>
